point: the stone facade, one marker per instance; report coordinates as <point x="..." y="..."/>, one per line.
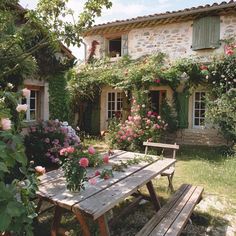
<point x="175" y="40"/>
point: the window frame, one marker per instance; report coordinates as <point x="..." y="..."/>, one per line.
<point x="194" y="109"/>
<point x="115" y="101"/>
<point x="28" y="100"/>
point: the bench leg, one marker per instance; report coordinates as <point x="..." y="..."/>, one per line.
<point x="153" y="196"/>
<point x="56" y="220"/>
<point x="170" y="180"/>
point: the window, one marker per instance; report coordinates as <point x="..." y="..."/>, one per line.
<point x="115" y="47"/>
<point x="199" y="109"/>
<point x="114" y="104"/>
<point x="32" y="103"/>
<point x="206" y="33"/>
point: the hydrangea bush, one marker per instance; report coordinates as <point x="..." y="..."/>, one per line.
<point x="45" y="140"/>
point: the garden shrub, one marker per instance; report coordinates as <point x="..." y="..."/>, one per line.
<point x="140" y="126"/>
<point x="45" y="139"/>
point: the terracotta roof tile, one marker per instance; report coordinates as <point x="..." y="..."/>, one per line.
<point x="166" y="14"/>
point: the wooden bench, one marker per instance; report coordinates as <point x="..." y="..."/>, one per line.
<point x="169" y="173"/>
<point x="173" y="216"/>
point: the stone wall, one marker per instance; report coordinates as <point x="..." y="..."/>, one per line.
<point x="173" y="39"/>
<point x="205" y="137"/>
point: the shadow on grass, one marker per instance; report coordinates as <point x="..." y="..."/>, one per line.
<point x="212" y="154"/>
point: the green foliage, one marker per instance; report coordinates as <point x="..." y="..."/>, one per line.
<point x="168" y="114"/>
<point x="58" y="98"/>
<point x="17" y="182"/>
<point x="125" y="74"/>
<point x="222" y="112"/>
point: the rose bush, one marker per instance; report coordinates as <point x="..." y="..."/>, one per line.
<point x="74" y="163"/>
<point x="139" y="127"/>
<point x="46" y="139"/>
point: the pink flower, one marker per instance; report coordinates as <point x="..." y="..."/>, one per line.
<point x="26" y="92"/>
<point x="70" y="149"/>
<point x="84" y="162"/>
<point x="5" y="123"/>
<point x="129" y="139"/>
<point x="91" y="150"/>
<point x="148" y="122"/>
<point x="229" y="52"/>
<point x="130" y="118"/>
<point x="158" y="117"/>
<point x="21" y="107"/>
<point x="92" y="181"/>
<point x="40" y="170"/>
<point x="106" y="158"/>
<point x="63" y="151"/>
<point x="123" y="137"/>
<point x="97" y="173"/>
<point x="157" y="81"/>
<point x="149" y="113"/>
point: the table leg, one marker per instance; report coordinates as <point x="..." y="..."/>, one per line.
<point x="103" y="226"/>
<point x="83" y="224"/>
<point x="56" y="220"/>
<point x="153" y="196"/>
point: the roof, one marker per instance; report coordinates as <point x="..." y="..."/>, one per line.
<point x="163" y="18"/>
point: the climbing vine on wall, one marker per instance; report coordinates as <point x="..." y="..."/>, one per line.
<point x="58" y="98"/>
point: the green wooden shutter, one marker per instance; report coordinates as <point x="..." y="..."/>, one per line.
<point x="124" y="44"/>
<point x="182" y="109"/>
<point x="206" y="33"/>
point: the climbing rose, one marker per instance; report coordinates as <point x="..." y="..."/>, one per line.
<point x="20" y="108"/>
<point x="70" y="149"/>
<point x="26" y="92"/>
<point x="5" y="123"/>
<point x="106" y="158"/>
<point x="40" y="170"/>
<point x="84" y="162"/>
<point x="91" y="150"/>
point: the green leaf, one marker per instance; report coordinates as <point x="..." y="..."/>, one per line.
<point x="3" y="167"/>
<point x="14" y="209"/>
<point x="5" y="221"/>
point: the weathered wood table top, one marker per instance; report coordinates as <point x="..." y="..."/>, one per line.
<point x="99" y="198"/>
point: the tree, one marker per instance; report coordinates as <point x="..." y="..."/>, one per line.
<point x="24" y="32"/>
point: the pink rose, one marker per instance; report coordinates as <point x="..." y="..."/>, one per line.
<point x="106" y="158"/>
<point x="40" y="170"/>
<point x="92" y="181"/>
<point x="149" y="113"/>
<point x="97" y="172"/>
<point x="26" y="92"/>
<point x="84" y="162"/>
<point x="70" y="149"/>
<point x="123" y="137"/>
<point x="21" y="107"/>
<point x="5" y="123"/>
<point x="63" y="151"/>
<point x="91" y="150"/>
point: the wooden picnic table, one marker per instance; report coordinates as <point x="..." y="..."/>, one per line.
<point x="97" y="199"/>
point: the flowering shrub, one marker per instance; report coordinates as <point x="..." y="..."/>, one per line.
<point x="139" y="127"/>
<point x="75" y="161"/>
<point x="45" y="140"/>
<point x="17" y="183"/>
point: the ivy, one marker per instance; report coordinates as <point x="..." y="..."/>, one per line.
<point x="58" y="98"/>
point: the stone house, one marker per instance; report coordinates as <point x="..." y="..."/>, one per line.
<point x="194" y="32"/>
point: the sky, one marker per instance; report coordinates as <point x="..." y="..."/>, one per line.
<point x="125" y="9"/>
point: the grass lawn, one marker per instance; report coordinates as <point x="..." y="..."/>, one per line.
<point x="203" y="166"/>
